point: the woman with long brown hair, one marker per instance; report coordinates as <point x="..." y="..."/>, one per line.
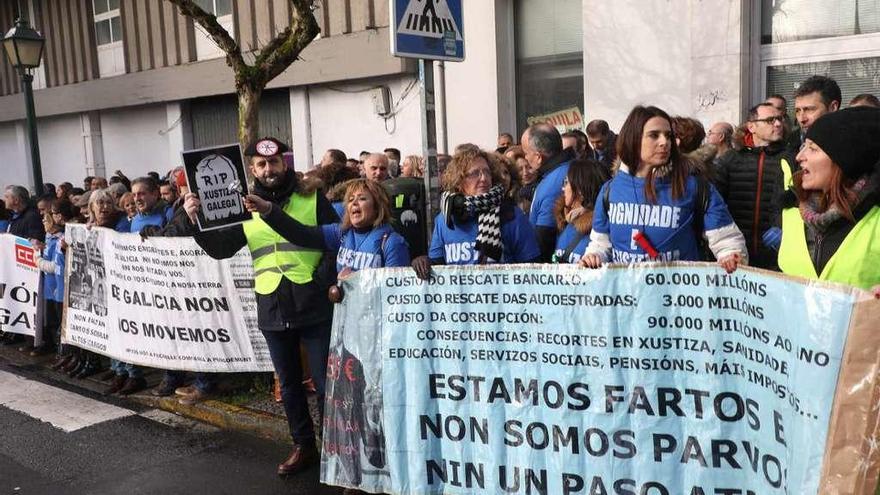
<point x="832" y="234"/>
<point x="656" y="208"/>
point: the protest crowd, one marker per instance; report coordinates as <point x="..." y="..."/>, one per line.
<point x="794" y="194"/>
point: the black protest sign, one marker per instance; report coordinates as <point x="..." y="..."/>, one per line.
<point x="217" y="176"/>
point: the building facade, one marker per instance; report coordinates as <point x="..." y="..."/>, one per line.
<point x="129" y="84"/>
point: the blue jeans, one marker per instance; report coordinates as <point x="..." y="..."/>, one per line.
<point x="284" y="351"/>
<point x="126" y="369"/>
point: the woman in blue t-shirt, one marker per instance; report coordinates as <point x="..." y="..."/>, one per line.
<point x="364" y="238"/>
<point x="574" y="209"/>
<point x="477" y="224"/>
<point x="654" y="209"/>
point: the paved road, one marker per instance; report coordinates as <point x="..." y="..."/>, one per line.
<point x="54" y="440"/>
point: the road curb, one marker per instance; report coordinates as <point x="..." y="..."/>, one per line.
<point x="213" y="412"/>
<point x="223" y="415"/>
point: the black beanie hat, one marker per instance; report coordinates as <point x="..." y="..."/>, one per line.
<point x="851" y="138"/>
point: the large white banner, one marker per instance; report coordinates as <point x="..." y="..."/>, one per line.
<point x="161" y="302"/>
<point x="19" y="285"/>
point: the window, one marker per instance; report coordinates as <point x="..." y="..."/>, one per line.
<point x="801" y="38"/>
<point x="549" y="57"/>
<point x="217" y="7"/>
<point x="854" y="76"/>
<point x="205" y="46"/>
<point x="108" y="25"/>
<point x="104" y="6"/>
<point x="797" y="20"/>
<point x="108" y="37"/>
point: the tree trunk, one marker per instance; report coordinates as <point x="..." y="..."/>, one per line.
<point x="248" y="115"/>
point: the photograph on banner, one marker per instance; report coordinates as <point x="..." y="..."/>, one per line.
<point x="86" y="282"/>
<point x="161" y="302"/>
<point x="678" y="379"/>
<point x="353" y="448"/>
<point x="19" y="285"/>
<point x="427" y="29"/>
<point x="568" y="119"/>
<point x="217" y="176"/>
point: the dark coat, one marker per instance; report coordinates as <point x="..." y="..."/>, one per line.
<point x="28" y="224"/>
<point x="755" y="209"/>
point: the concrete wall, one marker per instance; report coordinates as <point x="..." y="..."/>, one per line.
<point x="472" y="86"/>
<point x="681" y="55"/>
<point x="135" y="140"/>
<point x="61" y="149"/>
<point x="13" y="155"/>
<point x="342" y="116"/>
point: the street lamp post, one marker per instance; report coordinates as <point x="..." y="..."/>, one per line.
<point x="24" y="48"/>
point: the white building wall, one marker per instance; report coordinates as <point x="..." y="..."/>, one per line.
<point x="13" y="156"/>
<point x="61" y="149"/>
<point x="681" y="55"/>
<point x="342" y="116"/>
<point x="472" y="86"/>
<point x="136" y="141"/>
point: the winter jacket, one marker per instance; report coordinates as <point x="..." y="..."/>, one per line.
<point x="751" y="180"/>
<point x="27" y="224"/>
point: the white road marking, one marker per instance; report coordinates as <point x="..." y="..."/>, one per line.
<point x="64" y="410"/>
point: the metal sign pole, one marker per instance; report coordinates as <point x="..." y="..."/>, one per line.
<point x="429" y="145"/>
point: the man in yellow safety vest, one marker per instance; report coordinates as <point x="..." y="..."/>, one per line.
<point x="291" y="284"/>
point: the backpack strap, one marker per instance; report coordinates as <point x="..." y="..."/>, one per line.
<point x="702" y="205"/>
<point x="570" y="247"/>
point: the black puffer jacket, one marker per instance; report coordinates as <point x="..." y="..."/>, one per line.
<point x="750" y="179"/>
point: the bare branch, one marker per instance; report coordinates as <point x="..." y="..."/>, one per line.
<point x="282" y="51"/>
<point x="215" y="31"/>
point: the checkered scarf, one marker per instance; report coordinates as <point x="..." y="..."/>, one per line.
<point x="487" y="208"/>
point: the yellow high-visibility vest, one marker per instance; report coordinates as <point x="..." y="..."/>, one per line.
<point x="274" y="256"/>
<point x="854" y="263"/>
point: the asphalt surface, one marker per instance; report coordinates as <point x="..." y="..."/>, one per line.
<point x="145" y="451"/>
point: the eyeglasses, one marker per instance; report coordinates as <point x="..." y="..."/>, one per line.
<point x="476" y="174"/>
<point x="770" y="120"/>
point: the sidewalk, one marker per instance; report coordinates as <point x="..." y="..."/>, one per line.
<point x="233" y="407"/>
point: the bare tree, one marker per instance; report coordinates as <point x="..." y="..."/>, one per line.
<point x="270" y="61"/>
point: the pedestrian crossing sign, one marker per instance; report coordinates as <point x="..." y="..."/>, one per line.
<point x="427" y="29"/>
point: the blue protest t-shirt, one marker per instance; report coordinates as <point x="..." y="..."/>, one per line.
<point x="566" y="237"/>
<point x="158" y="217"/>
<point x="667" y="224"/>
<point x="359" y="250"/>
<point x="53" y="283"/>
<point x="550" y="188"/>
<point x="458" y="245"/>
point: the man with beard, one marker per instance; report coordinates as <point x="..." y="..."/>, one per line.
<point x="291" y="283"/>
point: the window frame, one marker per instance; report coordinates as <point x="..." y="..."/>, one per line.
<point x="811" y="51"/>
<point x="107" y="16"/>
